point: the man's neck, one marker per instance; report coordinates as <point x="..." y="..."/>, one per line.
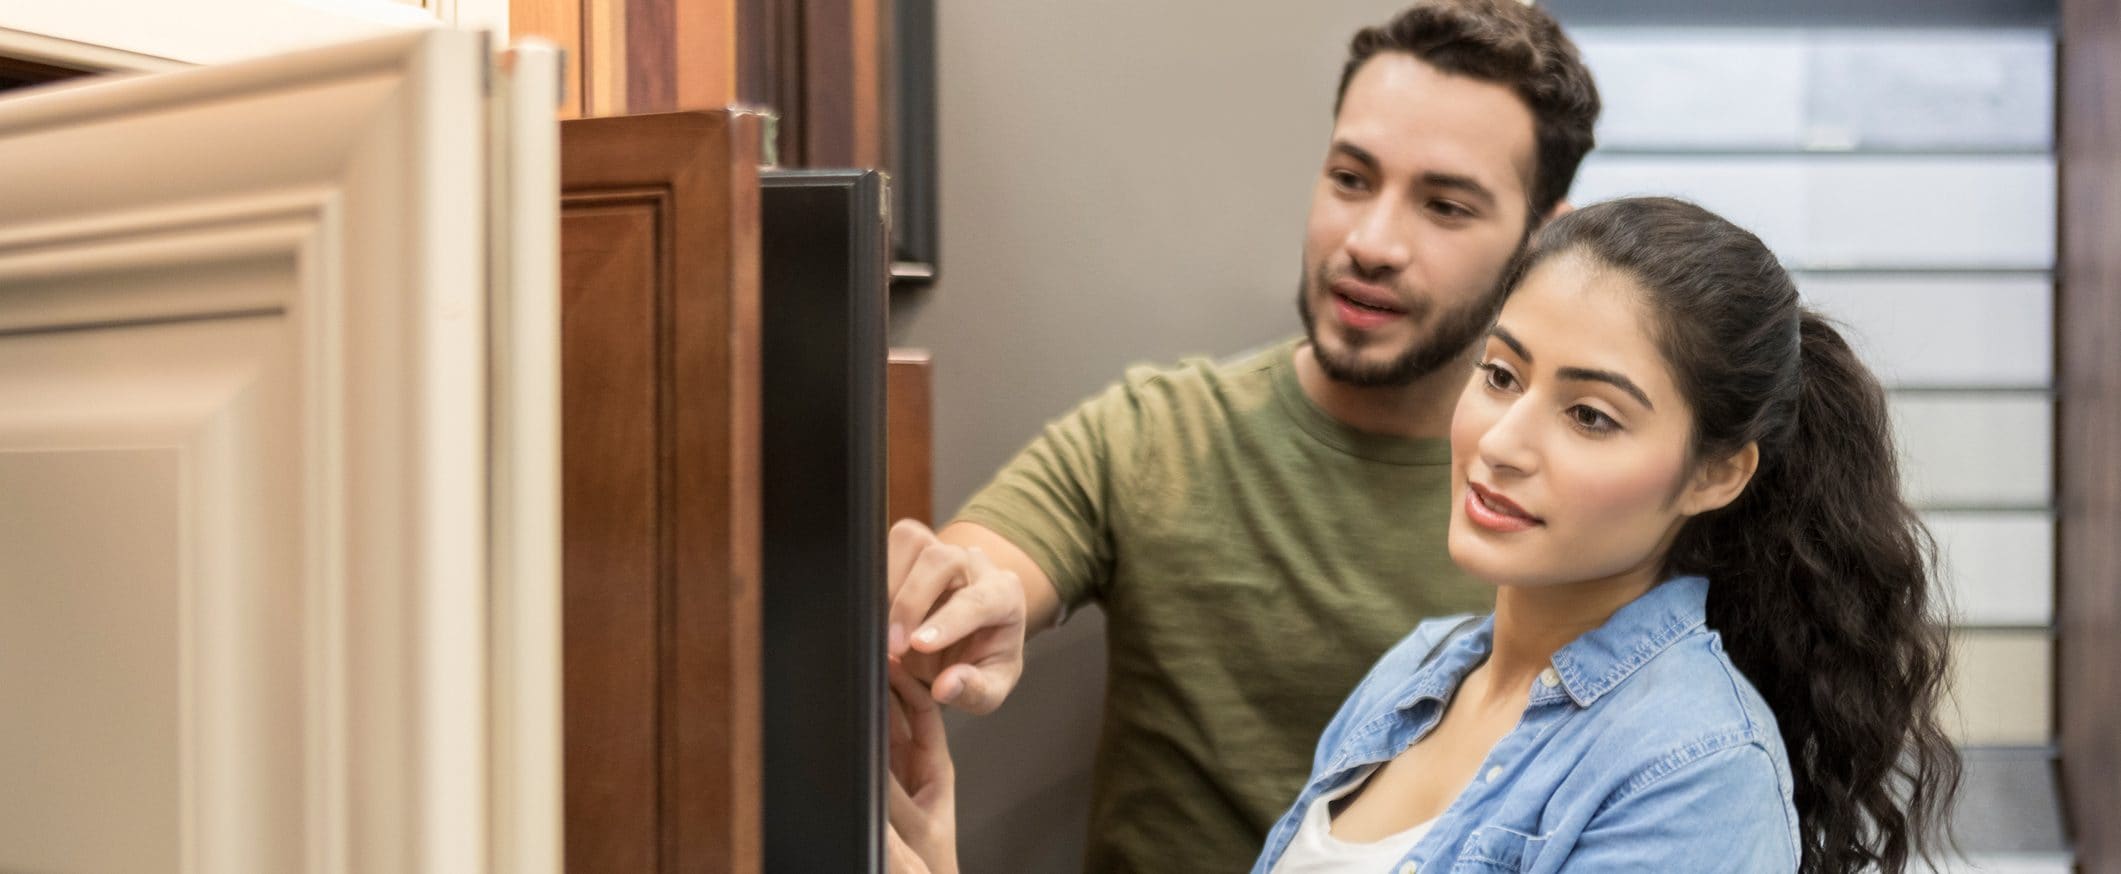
<point x="1421" y="408"/>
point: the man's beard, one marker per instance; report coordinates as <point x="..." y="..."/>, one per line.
<point x="1454" y="331"/>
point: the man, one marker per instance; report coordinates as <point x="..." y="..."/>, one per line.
<point x="1258" y="531"/>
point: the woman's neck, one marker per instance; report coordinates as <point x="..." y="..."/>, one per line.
<point x="1534" y="622"/>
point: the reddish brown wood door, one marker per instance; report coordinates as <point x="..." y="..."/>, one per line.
<point x="660" y="446"/>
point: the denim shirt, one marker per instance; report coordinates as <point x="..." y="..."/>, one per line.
<point x="1641" y="749"/>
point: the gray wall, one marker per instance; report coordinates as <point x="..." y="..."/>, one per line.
<point x="1120" y="182"/>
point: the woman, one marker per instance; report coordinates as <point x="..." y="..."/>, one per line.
<point x="1714" y="646"/>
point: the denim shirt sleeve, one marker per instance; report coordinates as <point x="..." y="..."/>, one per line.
<point x="1720" y="811"/>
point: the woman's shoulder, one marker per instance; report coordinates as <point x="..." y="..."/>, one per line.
<point x="1685" y="704"/>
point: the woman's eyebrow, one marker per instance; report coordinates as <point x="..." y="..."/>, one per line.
<point x="1499" y="333"/>
<point x="1606" y="376"/>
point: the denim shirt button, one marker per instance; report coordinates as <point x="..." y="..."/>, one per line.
<point x="1549" y="678"/>
<point x="1493" y="773"/>
<point x="1407" y="868"/>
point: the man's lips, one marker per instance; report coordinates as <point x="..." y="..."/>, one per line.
<point x="1373" y="296"/>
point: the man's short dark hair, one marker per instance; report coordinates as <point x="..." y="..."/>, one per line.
<point x="1509" y="43"/>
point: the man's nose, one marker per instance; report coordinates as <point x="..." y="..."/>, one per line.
<point x="1377" y="243"/>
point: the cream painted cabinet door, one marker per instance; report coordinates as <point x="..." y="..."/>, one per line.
<point x="150" y="34"/>
<point x="277" y="518"/>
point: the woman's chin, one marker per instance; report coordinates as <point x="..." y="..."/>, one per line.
<point x="1480" y="559"/>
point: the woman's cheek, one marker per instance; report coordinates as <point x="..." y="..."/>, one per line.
<point x="1627" y="491"/>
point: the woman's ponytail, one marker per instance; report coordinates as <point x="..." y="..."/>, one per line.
<point x="1820" y="576"/>
<point x="1822" y="592"/>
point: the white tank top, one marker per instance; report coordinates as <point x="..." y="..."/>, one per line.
<point x="1315" y="850"/>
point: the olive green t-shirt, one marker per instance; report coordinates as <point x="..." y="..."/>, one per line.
<point x="1253" y="557"/>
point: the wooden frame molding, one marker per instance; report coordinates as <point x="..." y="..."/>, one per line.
<point x="2087" y="330"/>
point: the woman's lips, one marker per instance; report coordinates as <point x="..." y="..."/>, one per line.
<point x="1495" y="512"/>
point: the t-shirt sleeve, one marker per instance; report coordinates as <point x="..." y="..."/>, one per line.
<point x="1054" y="499"/>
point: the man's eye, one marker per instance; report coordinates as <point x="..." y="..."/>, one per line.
<point x="1448" y="209"/>
<point x="1348" y="181"/>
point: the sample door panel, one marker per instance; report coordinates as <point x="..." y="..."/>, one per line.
<point x="1829" y="89"/>
<point x="1999" y="566"/>
<point x="824" y="267"/>
<point x="1975" y="450"/>
<point x="910" y="425"/>
<point x="215" y="31"/>
<point x="1986" y="212"/>
<point x="661" y="544"/>
<point x="247" y="565"/>
<point x="1945" y="331"/>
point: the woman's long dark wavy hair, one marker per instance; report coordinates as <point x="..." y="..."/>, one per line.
<point x="1820" y="576"/>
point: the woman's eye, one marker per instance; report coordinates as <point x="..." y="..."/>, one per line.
<point x="1498" y="378"/>
<point x="1590" y="419"/>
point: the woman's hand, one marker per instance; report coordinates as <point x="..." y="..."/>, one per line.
<point x="922" y="837"/>
<point x="900" y="858"/>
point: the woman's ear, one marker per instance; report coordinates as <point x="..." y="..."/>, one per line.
<point x="1561" y="208"/>
<point x="1718" y="482"/>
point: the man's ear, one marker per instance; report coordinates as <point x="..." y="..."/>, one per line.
<point x="1719" y="482"/>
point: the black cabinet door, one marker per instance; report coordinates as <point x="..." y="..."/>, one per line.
<point x="824" y="272"/>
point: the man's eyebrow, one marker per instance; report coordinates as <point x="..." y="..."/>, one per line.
<point x="1359" y="154"/>
<point x="1511" y="341"/>
<point x="1608" y="377"/>
<point x="1467" y="184"/>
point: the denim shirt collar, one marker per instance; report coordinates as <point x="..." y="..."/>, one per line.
<point x="1591" y="665"/>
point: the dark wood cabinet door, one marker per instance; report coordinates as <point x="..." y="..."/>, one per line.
<point x="660" y="483"/>
<point x="910" y="425"/>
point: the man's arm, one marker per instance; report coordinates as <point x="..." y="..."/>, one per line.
<point x="963" y="600"/>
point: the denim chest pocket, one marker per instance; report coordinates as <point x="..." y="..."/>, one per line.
<point x="1496" y="850"/>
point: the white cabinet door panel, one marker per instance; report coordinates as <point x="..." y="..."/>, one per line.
<point x="1669" y="88"/>
<point x="1829" y="89"/>
<point x="1972" y="331"/>
<point x="1940" y="89"/>
<point x="244" y="449"/>
<point x="101" y="743"/>
<point x="1859" y="211"/>
<point x="1980" y="451"/>
<point x="207" y="31"/>
<point x="1999" y="567"/>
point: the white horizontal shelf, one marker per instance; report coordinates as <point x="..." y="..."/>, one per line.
<point x="1998" y="567"/>
<point x="1808" y="88"/>
<point x="1827" y="212"/>
<point x="1985" y="450"/>
<point x="1974" y="331"/>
